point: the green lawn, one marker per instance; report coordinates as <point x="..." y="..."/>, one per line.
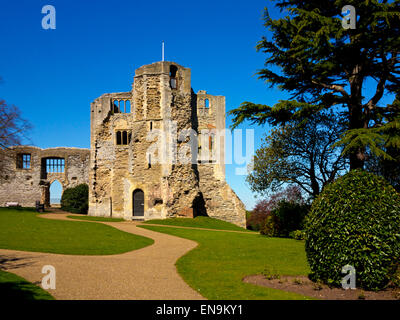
<point x="22" y="229"/>
<point x="217" y="266"/>
<point x="13" y="287"/>
<point x="90" y="218"/>
<point x="198" y="222"/>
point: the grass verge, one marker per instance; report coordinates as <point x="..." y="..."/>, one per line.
<point x="23" y="229"/>
<point x="100" y="219"/>
<point x="217" y="266"/>
<point x="198" y="222"/>
<point x="13" y="287"/>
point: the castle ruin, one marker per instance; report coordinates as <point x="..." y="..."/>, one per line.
<point x="132" y="172"/>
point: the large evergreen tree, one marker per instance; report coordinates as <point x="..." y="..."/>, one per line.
<point x="322" y="64"/>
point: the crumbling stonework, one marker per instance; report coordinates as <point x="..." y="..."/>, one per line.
<point x="136" y="174"/>
<point x="145" y="160"/>
<point x="29" y="182"/>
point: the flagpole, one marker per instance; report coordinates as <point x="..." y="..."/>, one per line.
<point x="162" y="51"/>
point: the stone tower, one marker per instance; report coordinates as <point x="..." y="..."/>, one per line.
<point x="144" y="150"/>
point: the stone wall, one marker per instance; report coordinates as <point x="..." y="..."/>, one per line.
<point x="171" y="188"/>
<point x="220" y="200"/>
<point x="27" y="185"/>
<point x="126" y="154"/>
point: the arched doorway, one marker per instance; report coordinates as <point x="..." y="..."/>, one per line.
<point x="138" y="203"/>
<point x="56" y="190"/>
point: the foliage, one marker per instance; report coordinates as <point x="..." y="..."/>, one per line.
<point x="355" y="221"/>
<point x="76" y="199"/>
<point x="264" y="207"/>
<point x="256" y="221"/>
<point x="395" y="279"/>
<point x="323" y="65"/>
<point x="388" y="165"/>
<point x="285" y="218"/>
<point x="297" y="234"/>
<point x="300" y="153"/>
<point x="289" y="194"/>
<point x="271" y="226"/>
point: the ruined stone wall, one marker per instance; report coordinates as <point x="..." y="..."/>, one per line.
<point x="220" y="200"/>
<point x="171" y="187"/>
<point x="20" y="185"/>
<point x="28" y="185"/>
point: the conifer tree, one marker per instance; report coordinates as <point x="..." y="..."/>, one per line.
<point x="322" y="64"/>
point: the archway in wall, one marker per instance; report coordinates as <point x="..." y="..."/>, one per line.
<point x="199" y="206"/>
<point x="138" y="203"/>
<point x="56" y="190"/>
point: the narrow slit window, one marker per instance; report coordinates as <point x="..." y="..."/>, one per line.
<point x="151" y="126"/>
<point x="149" y="162"/>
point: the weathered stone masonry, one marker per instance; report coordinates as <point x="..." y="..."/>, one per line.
<point x="27" y="172"/>
<point x="123" y="180"/>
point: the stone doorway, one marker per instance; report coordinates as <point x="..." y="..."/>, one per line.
<point x="138" y="203"/>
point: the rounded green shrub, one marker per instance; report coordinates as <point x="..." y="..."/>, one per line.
<point x="76" y="199"/>
<point x="297" y="235"/>
<point x="354" y="221"/>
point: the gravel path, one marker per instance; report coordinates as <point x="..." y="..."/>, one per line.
<point x="145" y="274"/>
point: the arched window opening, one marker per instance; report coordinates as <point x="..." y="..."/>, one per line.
<point x="207" y="103"/>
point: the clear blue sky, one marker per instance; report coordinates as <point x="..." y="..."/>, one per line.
<point x="54" y="75"/>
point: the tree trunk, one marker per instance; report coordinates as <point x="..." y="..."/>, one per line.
<point x="357" y="156"/>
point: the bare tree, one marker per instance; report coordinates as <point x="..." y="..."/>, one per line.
<point x="13" y="128"/>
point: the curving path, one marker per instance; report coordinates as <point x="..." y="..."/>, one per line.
<point x="145" y="274"/>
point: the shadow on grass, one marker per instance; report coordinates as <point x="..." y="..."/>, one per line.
<point x="13" y="287"/>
